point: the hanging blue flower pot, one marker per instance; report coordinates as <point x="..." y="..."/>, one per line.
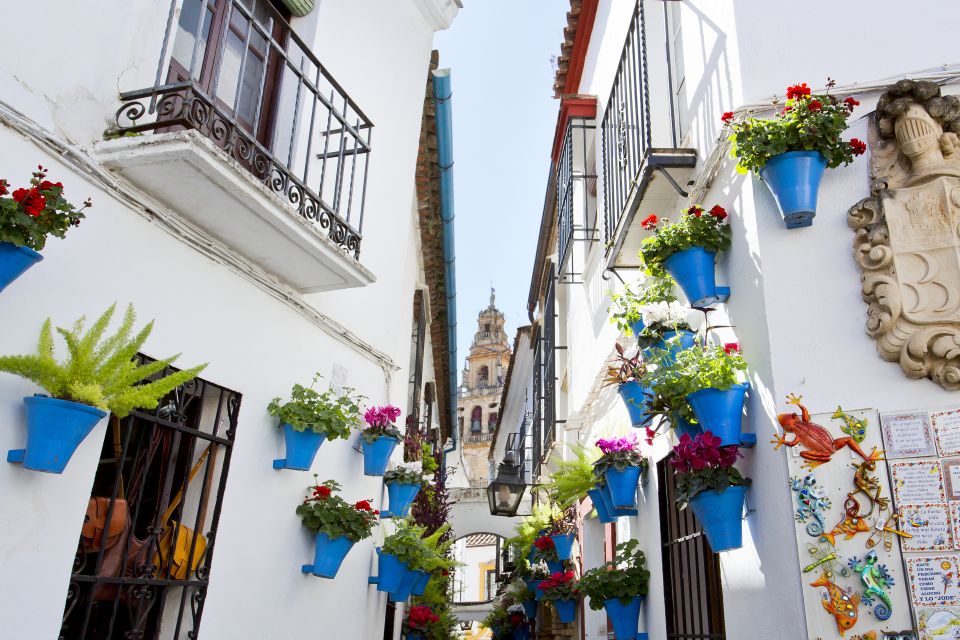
<point x="682" y="426"/>
<point x="55" y="428"/>
<point x="600" y="505"/>
<point x="532" y="555"/>
<point x="625" y="617"/>
<point x="622" y="486"/>
<point x="637" y="327"/>
<point x="794" y="180"/>
<point x="564" y="545"/>
<point x="534" y="585"/>
<point x="614" y="512"/>
<point x="405" y="588"/>
<point x="635" y="396"/>
<point x="670" y="347"/>
<point x="521" y="632"/>
<point x="14" y="261"/>
<point x="530" y="608"/>
<point x="328" y="555"/>
<point x="566" y="610"/>
<point x="401" y="495"/>
<point x="376" y="455"/>
<point x="720" y="514"/>
<point x="391" y="572"/>
<point x="554" y="566"/>
<point x="694" y="269"/>
<point x="420" y="580"/>
<point x="719" y="412"/>
<point x="302" y="447"/>
<point x="415" y="635"/>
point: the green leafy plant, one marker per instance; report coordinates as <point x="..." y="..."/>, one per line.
<point x="572" y="478"/>
<point x="326" y="412"/>
<point x="528" y="529"/>
<point x="31" y="214"/>
<point x="807" y="122"/>
<point x="407" y="473"/>
<point x="321" y="511"/>
<point x="694" y="228"/>
<point x="710" y="367"/>
<point x="624" y="368"/>
<point x="410" y="544"/>
<point x="627" y="307"/>
<point x="701" y="464"/>
<point x="624" y="577"/>
<point x="560" y="586"/>
<point x="100" y="372"/>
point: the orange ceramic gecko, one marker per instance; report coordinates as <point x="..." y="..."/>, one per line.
<point x="818" y="445"/>
<point x="839" y="603"/>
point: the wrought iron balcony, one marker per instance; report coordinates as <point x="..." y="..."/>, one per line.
<point x="239" y="75"/>
<point x="576" y="185"/>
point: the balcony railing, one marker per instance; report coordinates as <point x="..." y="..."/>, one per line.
<point x="576" y="207"/>
<point x="626" y="125"/>
<point x="238" y="74"/>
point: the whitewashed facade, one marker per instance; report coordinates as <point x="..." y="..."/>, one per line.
<point x="231" y="276"/>
<point x="795" y="306"/>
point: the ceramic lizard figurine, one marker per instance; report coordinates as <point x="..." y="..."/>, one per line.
<point x="876" y="581"/>
<point x="869" y="486"/>
<point x="818" y="445"/>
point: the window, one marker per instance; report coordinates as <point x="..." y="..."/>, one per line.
<point x="492" y="422"/>
<point x="476" y="419"/>
<point x="691" y="571"/>
<point x="417" y="340"/>
<point x="156" y="469"/>
<point x="483" y="376"/>
<point x="677" y="73"/>
<point x="490" y="585"/>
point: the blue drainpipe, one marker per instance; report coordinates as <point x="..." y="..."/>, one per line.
<point x="441" y="97"/>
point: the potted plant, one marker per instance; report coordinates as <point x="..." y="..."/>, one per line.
<point x="309" y="418"/>
<point x="619" y="586"/>
<point x="337" y="526"/>
<point x="669" y="386"/>
<point x="379" y="438"/>
<point x="627" y="307"/>
<point x="666" y="330"/>
<point x="707" y="480"/>
<point x="419" y="622"/>
<point x="561" y="589"/>
<point x="620" y="467"/>
<point x="792" y="149"/>
<point x="627" y="372"/>
<point x="27" y="216"/>
<point x="562" y="533"/>
<point x="99" y="375"/>
<point x="403" y="485"/>
<point x="517" y="619"/>
<point x="532" y="576"/>
<point x="545" y="550"/>
<point x="407" y="559"/>
<point x="711" y="377"/>
<point x="687" y="250"/>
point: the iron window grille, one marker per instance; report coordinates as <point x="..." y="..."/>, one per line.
<point x="575" y="184"/>
<point x="237" y="73"/>
<point x="418" y="340"/>
<point x="549" y="378"/>
<point x="536" y="419"/>
<point x="691" y="571"/>
<point x="625" y="129"/>
<point x="146" y="461"/>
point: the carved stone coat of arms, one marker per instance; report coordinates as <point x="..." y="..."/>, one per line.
<point x="907" y="241"/>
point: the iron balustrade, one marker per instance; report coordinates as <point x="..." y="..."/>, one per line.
<point x="625" y="129"/>
<point x="573" y="184"/>
<point x="238" y="74"/>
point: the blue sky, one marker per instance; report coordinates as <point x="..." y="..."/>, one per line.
<point x="504" y="115"/>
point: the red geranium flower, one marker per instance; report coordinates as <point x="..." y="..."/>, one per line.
<point x="363" y="505"/>
<point x="47" y="185"/>
<point x="726" y="117"/>
<point x="321" y="492"/>
<point x="650" y="222"/>
<point x="650" y="435"/>
<point x="859" y="147"/>
<point x="814" y="105"/>
<point x="786" y="110"/>
<point x="32" y="201"/>
<point x="850" y="102"/>
<point x="798" y="91"/>
<point x="731" y="347"/>
<point x="696" y="210"/>
<point x="718" y="212"/>
<point x="3" y="187"/>
<point x="543" y="543"/>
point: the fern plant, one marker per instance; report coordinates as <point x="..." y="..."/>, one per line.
<point x="572" y="479"/>
<point x="100" y="372"/>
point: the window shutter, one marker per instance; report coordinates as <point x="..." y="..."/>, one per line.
<point x="300" y="8"/>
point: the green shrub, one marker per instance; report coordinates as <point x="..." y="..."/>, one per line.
<point x="329" y="412"/>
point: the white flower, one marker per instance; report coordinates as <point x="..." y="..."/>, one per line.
<point x="669" y="313"/>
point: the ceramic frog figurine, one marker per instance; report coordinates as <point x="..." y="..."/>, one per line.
<point x="818" y="445"/>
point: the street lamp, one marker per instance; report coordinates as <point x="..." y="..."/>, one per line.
<point x="466" y="625"/>
<point x="505" y="492"/>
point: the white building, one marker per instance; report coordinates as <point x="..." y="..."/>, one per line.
<point x="258" y="191"/>
<point x="645" y="84"/>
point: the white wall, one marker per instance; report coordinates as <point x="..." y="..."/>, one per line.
<point x="67" y="81"/>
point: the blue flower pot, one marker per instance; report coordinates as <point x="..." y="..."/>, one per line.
<point x="622" y="486"/>
<point x="719" y="412"/>
<point x="420" y="581"/>
<point x="682" y="426"/>
<point x="391" y="572"/>
<point x="302" y="447"/>
<point x="376" y="455"/>
<point x="600" y="505"/>
<point x="405" y="588"/>
<point x="637" y="327"/>
<point x="14" y="261"/>
<point x="720" y="514"/>
<point x="625" y="617"/>
<point x="401" y="495"/>
<point x="694" y="269"/>
<point x="794" y="180"/>
<point x="635" y="397"/>
<point x="566" y="610"/>
<point x="534" y="585"/>
<point x="55" y="428"/>
<point x="530" y="608"/>
<point x="521" y="632"/>
<point x="554" y="566"/>
<point x="615" y="512"/>
<point x="328" y="555"/>
<point x="415" y="635"/>
<point x="532" y="555"/>
<point x="672" y="347"/>
<point x="564" y="545"/>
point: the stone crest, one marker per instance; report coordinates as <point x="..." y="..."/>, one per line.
<point x="907" y="241"/>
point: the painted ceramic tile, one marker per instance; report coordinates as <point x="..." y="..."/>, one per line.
<point x="933" y="580"/>
<point x="907" y="435"/>
<point x="918" y="482"/>
<point x="939" y="623"/>
<point x="929" y="525"/>
<point x="946" y="426"/>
